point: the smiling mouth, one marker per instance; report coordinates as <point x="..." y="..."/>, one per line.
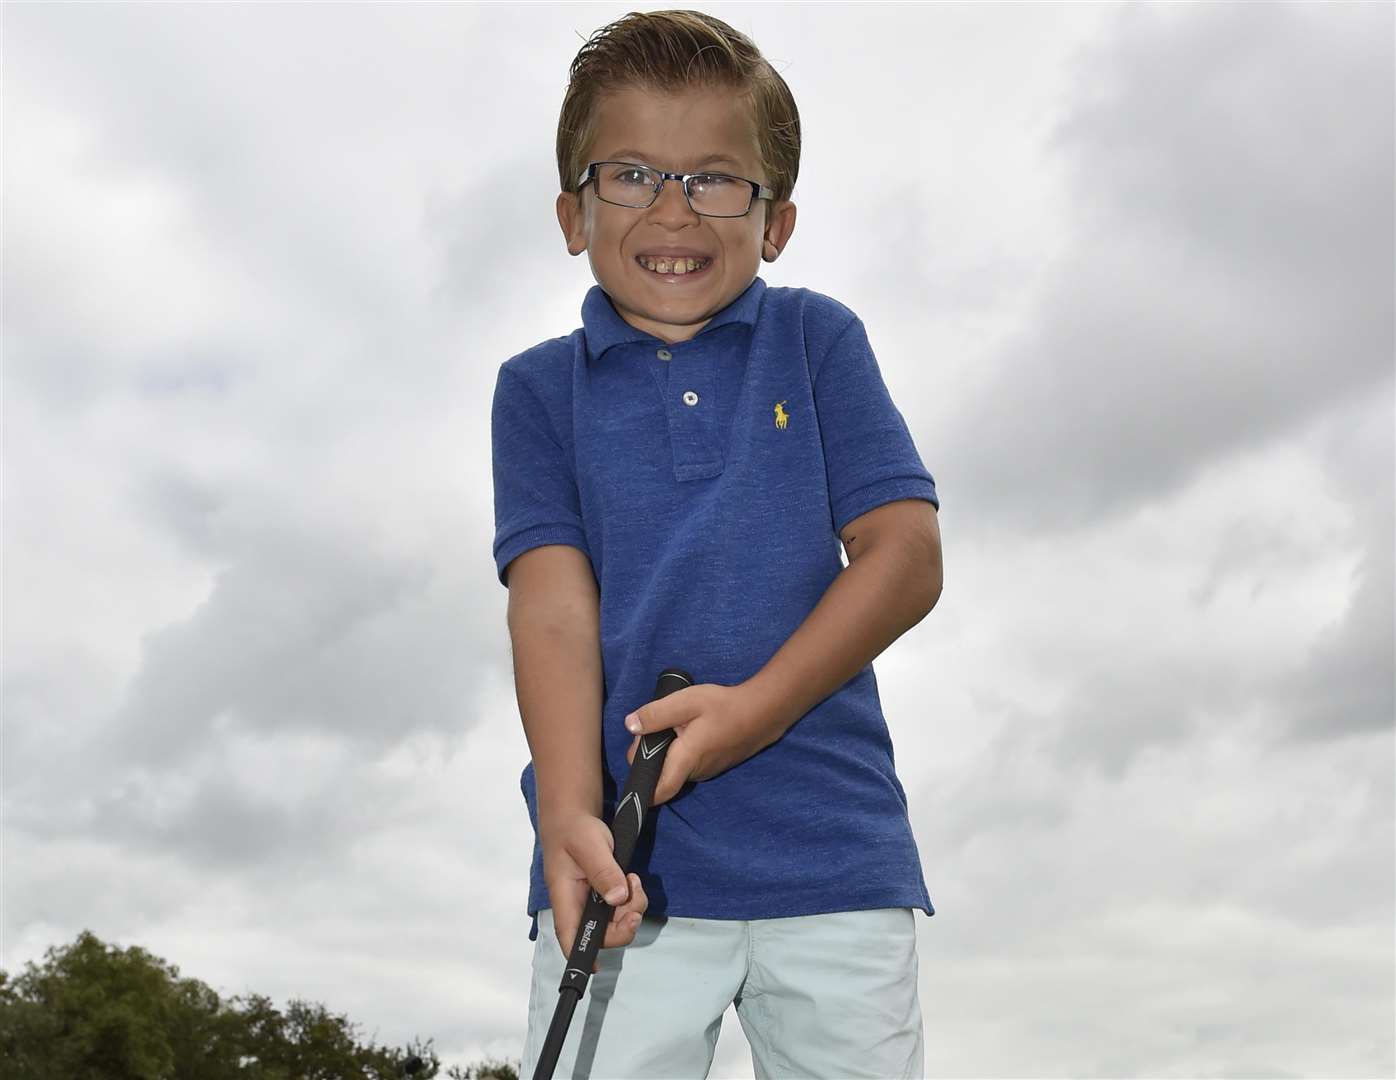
<point x="674" y="269"/>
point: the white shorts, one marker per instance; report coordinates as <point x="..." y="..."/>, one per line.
<point x="829" y="996"/>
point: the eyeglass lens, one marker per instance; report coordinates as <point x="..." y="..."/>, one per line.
<point x="712" y="194"/>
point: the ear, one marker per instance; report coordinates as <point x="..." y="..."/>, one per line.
<point x="572" y="218"/>
<point x="780" y="223"/>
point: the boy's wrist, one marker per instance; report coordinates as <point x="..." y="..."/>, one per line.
<point x="565" y="807"/>
<point x="557" y="822"/>
<point x="770" y="704"/>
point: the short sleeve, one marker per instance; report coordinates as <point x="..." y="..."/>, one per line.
<point x="868" y="449"/>
<point x="535" y="492"/>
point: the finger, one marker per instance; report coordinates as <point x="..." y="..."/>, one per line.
<point x="620" y="928"/>
<point x="630" y="754"/>
<point x="621" y="932"/>
<point x="639" y="901"/>
<point x="677" y="766"/>
<point x="625" y="921"/>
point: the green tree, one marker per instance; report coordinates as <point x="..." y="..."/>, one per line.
<point x="488" y="1070"/>
<point x="92" y="1011"/>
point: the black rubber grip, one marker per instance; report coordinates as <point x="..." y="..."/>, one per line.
<point x="628" y="820"/>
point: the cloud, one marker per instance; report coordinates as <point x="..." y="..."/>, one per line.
<point x="1347" y="686"/>
<point x="312" y="627"/>
<point x="1229" y="278"/>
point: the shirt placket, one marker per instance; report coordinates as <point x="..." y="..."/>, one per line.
<point x="687" y="382"/>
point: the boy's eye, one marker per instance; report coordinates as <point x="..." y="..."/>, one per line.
<point x="635" y="176"/>
<point x="712" y="180"/>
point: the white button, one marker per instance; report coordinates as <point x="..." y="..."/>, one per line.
<point x="664" y="354"/>
<point x="690" y="398"/>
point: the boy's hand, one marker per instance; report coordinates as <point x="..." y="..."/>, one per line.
<point x="578" y="855"/>
<point x="715" y="727"/>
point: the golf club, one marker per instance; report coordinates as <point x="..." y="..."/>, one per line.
<point x="629" y="818"/>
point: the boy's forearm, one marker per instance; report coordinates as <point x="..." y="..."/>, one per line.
<point x="872" y="602"/>
<point x="558" y="679"/>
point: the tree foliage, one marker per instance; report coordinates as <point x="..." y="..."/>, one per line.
<point x="93" y="1011"/>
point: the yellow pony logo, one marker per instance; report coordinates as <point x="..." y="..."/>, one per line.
<point x="782" y="417"/>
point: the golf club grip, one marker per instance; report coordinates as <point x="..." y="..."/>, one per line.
<point x="626" y="823"/>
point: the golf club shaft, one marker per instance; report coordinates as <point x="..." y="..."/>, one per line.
<point x="626" y="823"/>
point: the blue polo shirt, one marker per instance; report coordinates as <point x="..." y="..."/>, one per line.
<point x="707" y="482"/>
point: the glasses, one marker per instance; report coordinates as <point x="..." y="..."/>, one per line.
<point x="623" y="183"/>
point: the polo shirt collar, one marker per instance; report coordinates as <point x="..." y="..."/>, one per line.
<point x="604" y="327"/>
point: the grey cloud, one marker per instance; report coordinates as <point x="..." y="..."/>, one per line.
<point x="286" y="169"/>
<point x="1257" y="133"/>
<point x="1273" y="843"/>
<point x="1122" y="703"/>
<point x="1230" y="285"/>
<point x="224" y="822"/>
<point x="81" y="883"/>
<point x="1130" y="701"/>
<point x="1348" y="686"/>
<point x="54" y="706"/>
<point x="184" y="506"/>
<point x="487" y="237"/>
<point x="217" y="823"/>
<point x="309" y="627"/>
<point x="1231" y="272"/>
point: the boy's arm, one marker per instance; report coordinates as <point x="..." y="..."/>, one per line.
<point x="892" y="581"/>
<point x="555" y="627"/>
<point x="893" y="577"/>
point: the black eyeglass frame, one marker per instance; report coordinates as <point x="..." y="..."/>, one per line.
<point x="758" y="191"/>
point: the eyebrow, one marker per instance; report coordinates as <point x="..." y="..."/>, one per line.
<point x="697" y="164"/>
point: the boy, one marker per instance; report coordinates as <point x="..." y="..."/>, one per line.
<point x="671" y="483"/>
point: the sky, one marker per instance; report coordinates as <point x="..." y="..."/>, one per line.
<point x="1128" y="272"/>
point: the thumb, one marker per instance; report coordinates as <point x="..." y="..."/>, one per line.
<point x="598" y="862"/>
<point x="657" y="715"/>
<point x="642" y="720"/>
<point x="671" y="711"/>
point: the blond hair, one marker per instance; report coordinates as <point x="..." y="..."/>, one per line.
<point x="664" y="50"/>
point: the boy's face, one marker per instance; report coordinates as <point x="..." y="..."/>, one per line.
<point x="674" y="132"/>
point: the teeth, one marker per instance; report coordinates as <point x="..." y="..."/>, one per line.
<point x="673" y="266"/>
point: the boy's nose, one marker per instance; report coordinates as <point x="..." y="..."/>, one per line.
<point x="671" y="201"/>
